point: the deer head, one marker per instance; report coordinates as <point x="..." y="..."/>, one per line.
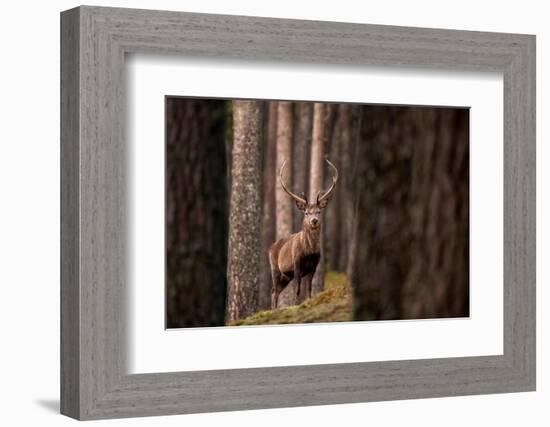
<point x="312" y="211"/>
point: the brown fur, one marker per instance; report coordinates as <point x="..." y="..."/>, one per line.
<point x="294" y="257"/>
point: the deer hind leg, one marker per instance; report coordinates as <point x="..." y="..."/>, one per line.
<point x="275" y="283"/>
<point x="277" y="286"/>
<point x="280" y="282"/>
<point x="275" y="291"/>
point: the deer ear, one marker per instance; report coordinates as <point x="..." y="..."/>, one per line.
<point x="301" y="206"/>
<point x="323" y="203"/>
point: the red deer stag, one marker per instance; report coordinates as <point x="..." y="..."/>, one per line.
<point x="296" y="256"/>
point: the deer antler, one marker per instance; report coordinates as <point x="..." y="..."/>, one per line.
<point x="290" y="193"/>
<point x="326" y="195"/>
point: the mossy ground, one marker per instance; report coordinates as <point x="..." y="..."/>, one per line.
<point x="331" y="305"/>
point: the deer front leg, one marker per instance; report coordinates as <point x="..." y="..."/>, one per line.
<point x="297" y="278"/>
<point x="307" y="284"/>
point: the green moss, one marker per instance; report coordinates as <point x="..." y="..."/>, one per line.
<point x="331" y="305"/>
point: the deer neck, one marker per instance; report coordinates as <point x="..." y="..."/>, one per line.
<point x="311" y="239"/>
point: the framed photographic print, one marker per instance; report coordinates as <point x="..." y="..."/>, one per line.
<point x="262" y="213"/>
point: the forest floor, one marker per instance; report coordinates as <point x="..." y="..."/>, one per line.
<point x="332" y="305"/>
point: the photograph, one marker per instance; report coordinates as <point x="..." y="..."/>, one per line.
<point x="295" y="212"/>
<point x="316" y="212"/>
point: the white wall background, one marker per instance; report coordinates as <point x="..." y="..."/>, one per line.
<point x="29" y="212"/>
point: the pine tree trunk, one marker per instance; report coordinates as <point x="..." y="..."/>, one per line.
<point x="317" y="179"/>
<point x="383" y="232"/>
<point x="302" y="150"/>
<point x="196" y="213"/>
<point x="412" y="256"/>
<point x="334" y="227"/>
<point x="348" y="139"/>
<point x="228" y="114"/>
<point x="351" y="162"/>
<point x="284" y="152"/>
<point x="437" y="285"/>
<point x="285" y="205"/>
<point x="244" y="259"/>
<point x="269" y="207"/>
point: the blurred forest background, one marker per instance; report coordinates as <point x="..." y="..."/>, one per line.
<point x="395" y="235"/>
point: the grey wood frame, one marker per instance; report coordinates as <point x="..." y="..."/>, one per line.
<point x="94" y="382"/>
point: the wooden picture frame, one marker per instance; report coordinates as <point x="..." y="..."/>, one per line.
<point x="94" y="382"/>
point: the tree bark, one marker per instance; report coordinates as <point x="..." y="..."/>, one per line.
<point x="348" y="138"/>
<point x="301" y="152"/>
<point x="383" y="256"/>
<point x="244" y="258"/>
<point x="285" y="204"/>
<point x="269" y="206"/>
<point x="351" y="163"/>
<point x="412" y="256"/>
<point x="284" y="152"/>
<point x="437" y="285"/>
<point x="336" y="229"/>
<point x="196" y="213"/>
<point x="228" y="117"/>
<point x="317" y="179"/>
